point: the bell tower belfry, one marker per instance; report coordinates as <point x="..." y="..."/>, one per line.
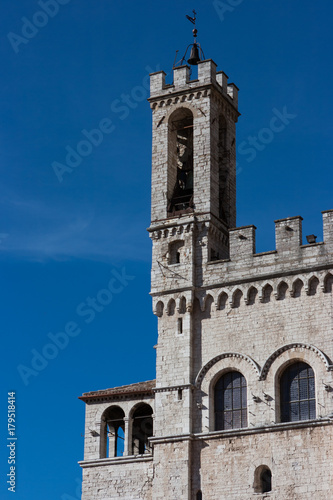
<point x="193" y="171"/>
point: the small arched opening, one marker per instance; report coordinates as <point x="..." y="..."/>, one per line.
<point x="176" y="252"/>
<point x="262" y="479"/>
<point x="282" y="290"/>
<point x="267" y="293"/>
<point x="112" y="433"/>
<point x="142" y="429"/>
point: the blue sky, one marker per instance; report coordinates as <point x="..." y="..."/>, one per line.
<point x="62" y="242"/>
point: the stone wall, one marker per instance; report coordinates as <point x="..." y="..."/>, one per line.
<point x="300" y="461"/>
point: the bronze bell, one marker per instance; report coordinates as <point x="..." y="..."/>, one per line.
<point x="194" y="56"/>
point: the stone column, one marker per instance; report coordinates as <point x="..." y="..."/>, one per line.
<point x="127" y="443"/>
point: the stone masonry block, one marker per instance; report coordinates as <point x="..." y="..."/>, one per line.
<point x="181" y="76"/>
<point x="157" y="82"/>
<point x="328" y="226"/>
<point x="288" y="234"/>
<point x="207" y="71"/>
<point x="242" y="242"/>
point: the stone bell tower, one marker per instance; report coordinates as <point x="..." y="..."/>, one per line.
<point x="193" y="207"/>
<point x="193" y="173"/>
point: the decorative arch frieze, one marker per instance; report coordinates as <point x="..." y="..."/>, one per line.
<point x="262" y="289"/>
<point x="308" y="285"/>
<point x="222" y="299"/>
<point x="327" y="279"/>
<point x="158" y="308"/>
<point x="294" y="287"/>
<point x="206" y="298"/>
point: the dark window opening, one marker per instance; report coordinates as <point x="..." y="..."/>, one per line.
<point x="253" y="292"/>
<point x="297" y="385"/>
<point x="313" y="286"/>
<point x="182" y="305"/>
<point x="142" y="429"/>
<point x="267" y="292"/>
<point x="262" y="480"/>
<point x="328" y="283"/>
<point x="175" y="252"/>
<point x="214" y="255"/>
<point x="199" y="495"/>
<point x="297" y="288"/>
<point x="181" y="162"/>
<point x="230" y="402"/>
<point x="180" y="325"/>
<point x="266" y="481"/>
<point x="180" y="394"/>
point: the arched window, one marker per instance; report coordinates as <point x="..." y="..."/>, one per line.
<point x="199" y="495"/>
<point x="297" y="386"/>
<point x="112" y="433"/>
<point x="230" y="401"/>
<point x="180" y="170"/>
<point x="142" y="429"/>
<point x="262" y="479"/>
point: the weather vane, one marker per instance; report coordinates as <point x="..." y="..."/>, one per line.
<point x="193" y="21"/>
<point x="196" y="54"/>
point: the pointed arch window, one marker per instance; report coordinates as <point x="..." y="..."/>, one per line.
<point x="230" y="399"/>
<point x="297" y="387"/>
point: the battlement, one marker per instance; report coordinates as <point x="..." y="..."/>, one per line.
<point x="288" y="237"/>
<point x="290" y="256"/>
<point x="207" y="75"/>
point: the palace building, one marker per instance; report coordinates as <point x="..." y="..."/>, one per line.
<point x="242" y="404"/>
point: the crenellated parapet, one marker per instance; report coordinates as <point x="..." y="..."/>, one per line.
<point x="288" y="238"/>
<point x="290" y="257"/>
<point x="208" y="77"/>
